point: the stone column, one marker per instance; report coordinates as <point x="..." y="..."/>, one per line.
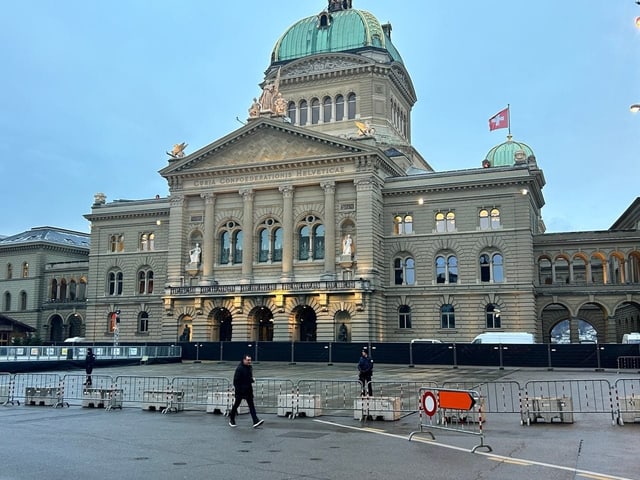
<point x="329" y="189"/>
<point x="247" y="235"/>
<point x="287" y="233"/>
<point x="175" y="246"/>
<point x="209" y="238"/>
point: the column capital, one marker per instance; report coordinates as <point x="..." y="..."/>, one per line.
<point x="176" y="200"/>
<point x="209" y="197"/>
<point x="286" y="190"/>
<point x="247" y="193"/>
<point x="328" y="187"/>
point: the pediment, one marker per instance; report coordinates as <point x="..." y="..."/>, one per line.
<point x="263" y="142"/>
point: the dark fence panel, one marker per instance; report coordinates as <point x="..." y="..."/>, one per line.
<point x="585" y="356"/>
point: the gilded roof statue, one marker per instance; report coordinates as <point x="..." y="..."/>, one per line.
<point x="178" y="150"/>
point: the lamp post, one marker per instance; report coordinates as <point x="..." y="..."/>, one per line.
<point x="197" y="360"/>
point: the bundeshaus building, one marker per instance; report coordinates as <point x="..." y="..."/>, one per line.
<point x="319" y="221"/>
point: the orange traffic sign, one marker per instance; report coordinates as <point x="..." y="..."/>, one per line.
<point x="456" y="400"/>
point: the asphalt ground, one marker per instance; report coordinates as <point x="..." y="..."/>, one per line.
<point x="63" y="443"/>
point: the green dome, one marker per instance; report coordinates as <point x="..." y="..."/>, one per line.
<point x="329" y="32"/>
<point x="504" y="155"/>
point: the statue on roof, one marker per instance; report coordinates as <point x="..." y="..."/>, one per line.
<point x="178" y="150"/>
<point x="254" y="109"/>
<point x="269" y="94"/>
<point x="365" y="129"/>
<point x="336" y="5"/>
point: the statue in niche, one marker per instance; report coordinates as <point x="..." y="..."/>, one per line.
<point x="343" y="333"/>
<point x="186" y="334"/>
<point x="347" y="245"/>
<point x="194" y="254"/>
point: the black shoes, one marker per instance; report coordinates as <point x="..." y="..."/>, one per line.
<point x="258" y="423"/>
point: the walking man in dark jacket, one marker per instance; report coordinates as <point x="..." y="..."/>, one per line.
<point x="243" y="385"/>
<point x="365" y="372"/>
<point x="89" y="362"/>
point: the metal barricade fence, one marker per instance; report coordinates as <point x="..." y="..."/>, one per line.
<point x="497" y="397"/>
<point x="198" y="393"/>
<point x="629" y="363"/>
<point x="336" y="397"/>
<point x="267" y="390"/>
<point x="559" y="400"/>
<point x="6" y="389"/>
<point x="135" y="389"/>
<point x="42" y="389"/>
<point x="75" y="388"/>
<point x="627" y="393"/>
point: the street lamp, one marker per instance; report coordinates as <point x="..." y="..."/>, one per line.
<point x="635" y="108"/>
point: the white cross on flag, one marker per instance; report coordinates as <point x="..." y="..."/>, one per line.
<point x="499" y="120"/>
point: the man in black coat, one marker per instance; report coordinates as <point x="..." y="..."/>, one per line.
<point x="89" y="362"/>
<point x="243" y="385"/>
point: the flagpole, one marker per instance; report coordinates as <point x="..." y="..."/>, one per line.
<point x="509" y="117"/>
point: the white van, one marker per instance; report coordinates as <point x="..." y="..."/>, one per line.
<point x="504" y="337"/>
<point x="633" y="337"/>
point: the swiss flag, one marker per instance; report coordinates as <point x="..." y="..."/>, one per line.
<point x="499" y="120"/>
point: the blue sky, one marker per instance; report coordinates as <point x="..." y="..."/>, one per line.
<point x="92" y="94"/>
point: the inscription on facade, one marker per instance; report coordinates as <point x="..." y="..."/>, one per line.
<point x="270" y="177"/>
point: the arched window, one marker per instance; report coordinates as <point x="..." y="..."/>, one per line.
<point x="495" y="218"/>
<point x="404" y="271"/>
<point x="339" y="108"/>
<point x="145" y="282"/>
<point x="327" y="104"/>
<point x="544" y="271"/>
<point x="402" y="224"/>
<point x="54" y="289"/>
<point x="311" y="239"/>
<point x="493" y="316"/>
<point x="351" y="106"/>
<point x="115" y="282"/>
<point x="23" y="300"/>
<point x="147" y="241"/>
<point x="447" y="316"/>
<point x="440" y="223"/>
<point x="561" y="271"/>
<point x="143" y="322"/>
<point x="451" y="222"/>
<point x="484" y="219"/>
<point x="491" y="268"/>
<point x="7" y="301"/>
<point x="404" y="316"/>
<point x="116" y="243"/>
<point x="446" y="269"/>
<point x="303" y="112"/>
<point x="270" y="236"/>
<point x="63" y="289"/>
<point x="231" y="243"/>
<point x="315" y="111"/>
<point x="291" y="112"/>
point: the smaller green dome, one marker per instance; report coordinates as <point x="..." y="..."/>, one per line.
<point x="507" y="154"/>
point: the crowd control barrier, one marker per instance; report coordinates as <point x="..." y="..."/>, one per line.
<point x="627" y="392"/>
<point x="457" y="411"/>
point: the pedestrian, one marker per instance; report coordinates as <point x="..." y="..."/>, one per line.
<point x="243" y="385"/>
<point x="365" y="372"/>
<point x="89" y="362"/>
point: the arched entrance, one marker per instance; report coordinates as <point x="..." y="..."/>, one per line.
<point x="56" y="329"/>
<point x="263" y="318"/>
<point x="222" y="327"/>
<point x="75" y="325"/>
<point x="307" y="320"/>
